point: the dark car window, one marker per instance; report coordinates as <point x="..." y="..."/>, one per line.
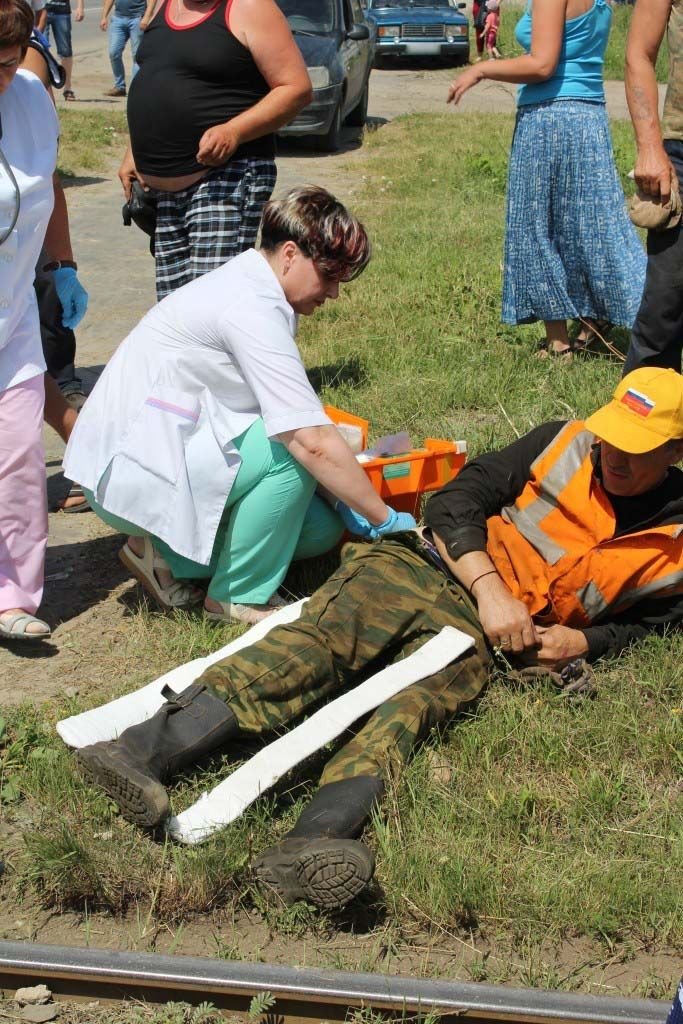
<point x="317" y="16"/>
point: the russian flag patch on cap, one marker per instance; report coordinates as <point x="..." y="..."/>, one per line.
<point x="638" y="402"/>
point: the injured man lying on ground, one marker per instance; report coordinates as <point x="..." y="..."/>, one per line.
<point x="567" y="544"/>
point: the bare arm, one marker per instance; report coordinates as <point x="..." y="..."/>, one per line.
<point x="328" y="458"/>
<point x="653" y="169"/>
<point x="263" y="29"/>
<point x="128" y="172"/>
<point x="106" y="11"/>
<point x="505" y="619"/>
<point x="548" y="18"/>
<point x="41" y="19"/>
<point x="60" y="416"/>
<point x="150" y="11"/>
<point x="57" y="236"/>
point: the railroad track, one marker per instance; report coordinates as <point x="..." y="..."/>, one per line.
<point x="302" y="995"/>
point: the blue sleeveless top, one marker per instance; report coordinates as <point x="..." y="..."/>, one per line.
<point x="578" y="75"/>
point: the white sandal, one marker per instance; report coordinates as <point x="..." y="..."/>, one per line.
<point x="14" y="627"/>
<point x="249" y="613"/>
<point x="177" y="595"/>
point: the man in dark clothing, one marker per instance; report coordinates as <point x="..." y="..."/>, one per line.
<point x="657" y="334"/>
<point x="561" y="546"/>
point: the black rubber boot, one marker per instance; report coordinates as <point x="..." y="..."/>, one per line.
<point x="132" y="768"/>
<point x="319" y="860"/>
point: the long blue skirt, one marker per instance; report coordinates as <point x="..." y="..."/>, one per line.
<point x="570" y="248"/>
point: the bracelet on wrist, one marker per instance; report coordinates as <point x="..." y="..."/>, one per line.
<point x="489" y="572"/>
<point x="56" y="264"/>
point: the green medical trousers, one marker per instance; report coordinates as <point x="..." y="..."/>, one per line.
<point x="272" y="517"/>
<point x="383" y="603"/>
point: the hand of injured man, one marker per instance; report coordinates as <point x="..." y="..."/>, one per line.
<point x="396" y="522"/>
<point x="559" y="645"/>
<point x="504" y="619"/>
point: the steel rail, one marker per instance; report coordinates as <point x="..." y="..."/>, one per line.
<point x="303" y="994"/>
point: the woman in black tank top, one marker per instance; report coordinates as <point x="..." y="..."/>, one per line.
<point x="216" y="79"/>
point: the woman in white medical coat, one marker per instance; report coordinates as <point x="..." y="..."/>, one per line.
<point x="28" y="143"/>
<point x="204" y="440"/>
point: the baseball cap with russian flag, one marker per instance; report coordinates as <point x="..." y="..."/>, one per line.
<point x="646" y="411"/>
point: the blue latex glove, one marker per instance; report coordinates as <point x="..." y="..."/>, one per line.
<point x="357" y="524"/>
<point x="72" y="295"/>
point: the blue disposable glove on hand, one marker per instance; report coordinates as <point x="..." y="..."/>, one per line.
<point x="360" y="526"/>
<point x="354" y="522"/>
<point x="72" y="295"/>
<point x="396" y="522"/>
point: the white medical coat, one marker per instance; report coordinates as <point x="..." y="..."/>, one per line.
<point x="30" y="132"/>
<point x="154" y="441"/>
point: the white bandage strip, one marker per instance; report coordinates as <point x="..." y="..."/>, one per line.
<point x="229" y="799"/>
<point x="108" y="721"/>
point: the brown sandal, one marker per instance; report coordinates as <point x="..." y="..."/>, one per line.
<point x="544" y="351"/>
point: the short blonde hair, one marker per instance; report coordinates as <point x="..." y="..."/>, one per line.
<point x="323" y="229"/>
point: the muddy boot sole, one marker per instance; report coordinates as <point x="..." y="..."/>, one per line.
<point x="141" y="799"/>
<point x="328" y="872"/>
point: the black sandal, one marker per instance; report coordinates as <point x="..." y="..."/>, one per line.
<point x="544" y="351"/>
<point x="594" y="340"/>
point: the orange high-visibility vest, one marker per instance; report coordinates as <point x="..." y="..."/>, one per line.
<point x="555" y="547"/>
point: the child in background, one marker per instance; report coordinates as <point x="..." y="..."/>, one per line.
<point x="491" y="28"/>
<point x="479" y="20"/>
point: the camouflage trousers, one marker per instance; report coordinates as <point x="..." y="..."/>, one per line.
<point x="383" y="603"/>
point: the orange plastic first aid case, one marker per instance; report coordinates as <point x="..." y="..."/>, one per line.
<point x="401" y="480"/>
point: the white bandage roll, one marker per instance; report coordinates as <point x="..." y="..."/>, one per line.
<point x="108" y="721"/>
<point x="229" y="799"/>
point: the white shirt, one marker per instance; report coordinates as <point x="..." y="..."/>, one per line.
<point x="154" y="440"/>
<point x="30" y="131"/>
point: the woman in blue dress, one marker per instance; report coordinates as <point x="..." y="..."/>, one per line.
<point x="570" y="250"/>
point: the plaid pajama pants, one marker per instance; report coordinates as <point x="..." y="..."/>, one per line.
<point x="201" y="227"/>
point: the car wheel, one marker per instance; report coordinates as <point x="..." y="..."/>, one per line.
<point x="359" y="114"/>
<point x="331" y="140"/>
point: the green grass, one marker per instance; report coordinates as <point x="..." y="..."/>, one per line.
<point x="423" y="323"/>
<point x="89" y="139"/>
<point x="616" y="47"/>
<point x="561" y="820"/>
